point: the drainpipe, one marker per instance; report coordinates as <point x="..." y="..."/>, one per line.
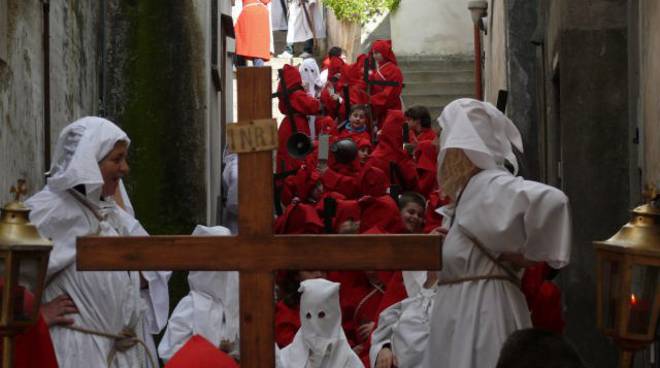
<point x="478" y="9"/>
<point x="46" y="82"/>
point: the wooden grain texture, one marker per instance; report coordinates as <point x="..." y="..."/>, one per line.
<point x="255" y="183"/>
<point x="257" y="320"/>
<point x="247" y="253"/>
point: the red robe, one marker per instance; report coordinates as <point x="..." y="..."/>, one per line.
<point x="253" y="30"/>
<point x="426" y="134"/>
<point x="390" y="150"/>
<point x="33" y="348"/>
<point x="302" y="105"/>
<point x="384" y="98"/>
<point x="287" y="323"/>
<point x="341" y="179"/>
<point x="331" y="106"/>
<point x="543" y="298"/>
<point x="432" y="219"/>
<point x="426" y="158"/>
<point x="353" y="77"/>
<point x="198" y="352"/>
<point x="299" y="218"/>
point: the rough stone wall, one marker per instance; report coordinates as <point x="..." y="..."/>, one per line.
<point x="650" y="90"/>
<point x="156" y="91"/>
<point x="595" y="143"/>
<point x="73" y="70"/>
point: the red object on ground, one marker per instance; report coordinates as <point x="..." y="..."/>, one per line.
<point x="253" y="30"/>
<point x="198" y="352"/>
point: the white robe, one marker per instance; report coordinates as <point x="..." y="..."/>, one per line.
<point x="471" y="320"/>
<point x="405" y="326"/>
<point x="278" y="16"/>
<point x="107" y="301"/>
<point x="298" y="27"/>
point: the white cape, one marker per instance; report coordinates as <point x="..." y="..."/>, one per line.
<point x="471" y="320"/>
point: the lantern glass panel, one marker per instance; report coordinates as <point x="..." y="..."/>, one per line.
<point x="611" y="274"/>
<point x="26" y="288"/>
<point x="645" y="280"/>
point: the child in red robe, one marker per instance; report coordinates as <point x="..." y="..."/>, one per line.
<point x="356" y="127"/>
<point x="419" y="120"/>
<point x="332" y="91"/>
<point x="389" y="155"/>
<point x="302" y="105"/>
<point x="426" y="159"/>
<point x="353" y="78"/>
<point x="384" y="98"/>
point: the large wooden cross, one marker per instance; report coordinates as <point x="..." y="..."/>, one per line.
<point x="256" y="252"/>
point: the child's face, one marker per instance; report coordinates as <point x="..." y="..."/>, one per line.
<point x="364" y="154"/>
<point x="316" y="193"/>
<point x="378" y="57"/>
<point x="349" y="227"/>
<point x="412" y="215"/>
<point x="413" y="124"/>
<point x="358" y="119"/>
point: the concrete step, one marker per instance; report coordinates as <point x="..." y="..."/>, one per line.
<point x="432" y="100"/>
<point x="431" y="76"/>
<point x="438" y="88"/>
<point x="437" y="65"/>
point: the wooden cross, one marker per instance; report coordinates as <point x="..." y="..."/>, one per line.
<point x="256" y="252"/>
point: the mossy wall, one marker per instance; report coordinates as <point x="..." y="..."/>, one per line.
<point x="155" y="91"/>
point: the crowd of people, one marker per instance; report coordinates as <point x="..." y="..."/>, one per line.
<point x="351" y="160"/>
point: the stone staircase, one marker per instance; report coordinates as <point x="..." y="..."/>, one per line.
<point x="434" y="82"/>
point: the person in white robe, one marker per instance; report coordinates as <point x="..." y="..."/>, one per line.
<point x="305" y="25"/>
<point x="403" y="328"/>
<point x="279" y="15"/>
<point x="320" y="342"/>
<point x="497" y="218"/>
<point x="210" y="309"/>
<point x="88" y="164"/>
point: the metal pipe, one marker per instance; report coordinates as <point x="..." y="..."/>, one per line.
<point x="478" y="86"/>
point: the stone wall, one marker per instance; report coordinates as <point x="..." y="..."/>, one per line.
<point x="74" y="63"/>
<point x="432" y="28"/>
<point x="595" y="141"/>
<point x="650" y="90"/>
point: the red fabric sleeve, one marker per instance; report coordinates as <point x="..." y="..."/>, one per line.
<point x="34" y="348"/>
<point x="287" y="323"/>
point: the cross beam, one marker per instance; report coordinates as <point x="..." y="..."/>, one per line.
<point x="256" y="252"/>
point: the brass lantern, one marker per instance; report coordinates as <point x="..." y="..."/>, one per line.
<point x="23" y="264"/>
<point x="628" y="286"/>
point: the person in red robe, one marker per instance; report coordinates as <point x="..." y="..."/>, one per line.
<point x="543" y="297"/>
<point x="353" y="77"/>
<point x="356" y="127"/>
<point x="432" y="219"/>
<point x="198" y="352"/>
<point x="426" y="159"/>
<point x="342" y="177"/>
<point x="299" y="218"/>
<point x="419" y="120"/>
<point x="384" y="98"/>
<point x="332" y="92"/>
<point x="302" y="105"/>
<point x="364" y="150"/>
<point x="389" y="155"/>
<point x="306" y="185"/>
<point x="378" y="209"/>
<point x="253" y="31"/>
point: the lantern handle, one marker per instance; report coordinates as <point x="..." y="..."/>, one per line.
<point x="19" y="190"/>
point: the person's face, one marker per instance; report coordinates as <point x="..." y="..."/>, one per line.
<point x="378" y="57"/>
<point x="364" y="154"/>
<point x="414" y="124"/>
<point x="349" y="227"/>
<point x="413" y="217"/>
<point x="114" y="167"/>
<point x="308" y="275"/>
<point x="358" y="119"/>
<point x="316" y="193"/>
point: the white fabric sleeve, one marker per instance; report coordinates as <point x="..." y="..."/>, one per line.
<point x="509" y="214"/>
<point x="179" y="329"/>
<point x="383" y="333"/>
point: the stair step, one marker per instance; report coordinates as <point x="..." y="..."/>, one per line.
<point x="432" y="100"/>
<point x="437" y="88"/>
<point x="436" y="64"/>
<point x="432" y="76"/>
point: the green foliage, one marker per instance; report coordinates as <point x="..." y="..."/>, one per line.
<point x="360" y="11"/>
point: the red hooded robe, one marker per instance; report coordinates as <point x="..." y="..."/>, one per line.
<point x="384" y="98"/>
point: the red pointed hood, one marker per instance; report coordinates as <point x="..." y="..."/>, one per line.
<point x="390" y="140"/>
<point x="353" y="74"/>
<point x="300" y="185"/>
<point x="299" y="218"/>
<point x="381" y="213"/>
<point x="336" y="65"/>
<point x="426" y="156"/>
<point x="373" y="182"/>
<point x="199" y="352"/>
<point x="384" y="47"/>
<point x="291" y="76"/>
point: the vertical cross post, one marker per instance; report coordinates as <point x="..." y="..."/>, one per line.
<point x="255" y="187"/>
